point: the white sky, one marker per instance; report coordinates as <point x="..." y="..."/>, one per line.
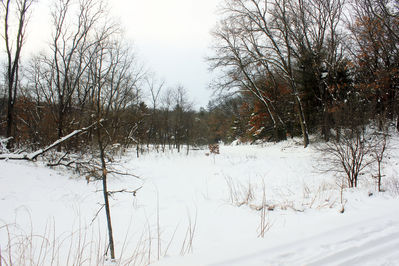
<point x="171" y="37"/>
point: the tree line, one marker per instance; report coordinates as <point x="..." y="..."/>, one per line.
<point x="287" y="68"/>
<point x="88" y="72"/>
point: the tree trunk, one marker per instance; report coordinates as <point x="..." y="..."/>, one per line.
<point x="379" y="175"/>
<point x="10" y="121"/>
<point x="13" y="50"/>
<point x="60" y="124"/>
<point x="302" y="121"/>
<point x="105" y="194"/>
<point x="326" y="124"/>
<point x="397" y="122"/>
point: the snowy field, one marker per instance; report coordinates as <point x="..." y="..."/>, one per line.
<point x="203" y="210"/>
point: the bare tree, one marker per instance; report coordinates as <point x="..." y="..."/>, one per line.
<point x="259" y="44"/>
<point x="59" y="74"/>
<point x="319" y="49"/>
<point x="375" y="35"/>
<point x="182" y="106"/>
<point x="166" y="106"/>
<point x="349" y="155"/>
<point x="113" y="77"/>
<point x="379" y="153"/>
<point x="155" y="88"/>
<point x="233" y="53"/>
<point x="14" y="47"/>
<point x="262" y="46"/>
<point x="90" y="72"/>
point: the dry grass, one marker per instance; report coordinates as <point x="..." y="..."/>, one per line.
<point x="240" y="194"/>
<point x="88" y="245"/>
<point x="264" y="218"/>
<point x="253" y="195"/>
<point x="187" y="246"/>
<point x="76" y="248"/>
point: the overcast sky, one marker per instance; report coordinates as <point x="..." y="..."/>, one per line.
<point x="171" y="37"/>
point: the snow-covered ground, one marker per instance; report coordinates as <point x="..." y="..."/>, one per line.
<point x="206" y="208"/>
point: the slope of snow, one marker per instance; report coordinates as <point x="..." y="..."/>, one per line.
<point x="214" y="199"/>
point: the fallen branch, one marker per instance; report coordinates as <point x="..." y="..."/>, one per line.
<point x="59" y="161"/>
<point x="3" y="144"/>
<point x="32" y="156"/>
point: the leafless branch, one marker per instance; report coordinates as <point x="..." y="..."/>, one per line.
<point x="96" y="215"/>
<point x="133" y="192"/>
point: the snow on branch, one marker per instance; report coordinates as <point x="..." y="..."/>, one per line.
<point x="3" y="144"/>
<point x="33" y="155"/>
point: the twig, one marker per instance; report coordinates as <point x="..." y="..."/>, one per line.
<point x="110" y="193"/>
<point x="123" y="174"/>
<point x="96" y="215"/>
<point x="59" y="161"/>
<point x="158" y="228"/>
<point x="170" y="241"/>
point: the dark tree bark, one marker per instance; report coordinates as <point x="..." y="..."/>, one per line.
<point x="13" y="50"/>
<point x="105" y="192"/>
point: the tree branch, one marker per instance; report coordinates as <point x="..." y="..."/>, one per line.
<point x="32" y="156"/>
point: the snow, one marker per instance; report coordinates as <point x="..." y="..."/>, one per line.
<point x="212" y="198"/>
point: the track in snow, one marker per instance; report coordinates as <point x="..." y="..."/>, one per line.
<point x="370" y="242"/>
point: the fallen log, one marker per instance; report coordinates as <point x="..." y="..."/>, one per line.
<point x="33" y="155"/>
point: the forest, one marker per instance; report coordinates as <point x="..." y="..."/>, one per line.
<point x="315" y="70"/>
